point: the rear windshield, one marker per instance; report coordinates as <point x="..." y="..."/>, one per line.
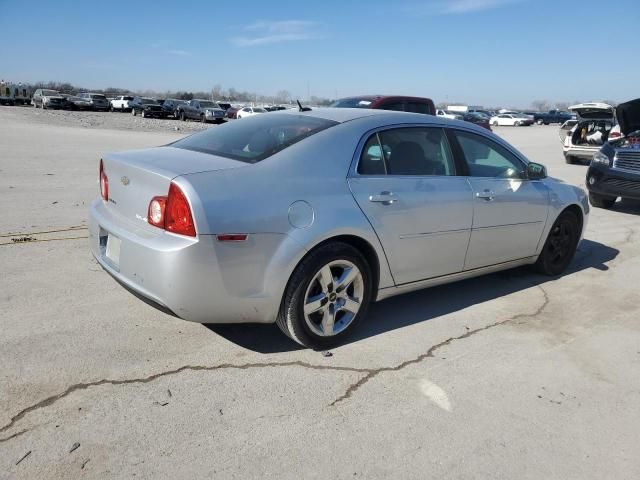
<point x="98" y="96"/>
<point x="352" y="103"/>
<point x="255" y="138"/>
<point x="50" y="92"/>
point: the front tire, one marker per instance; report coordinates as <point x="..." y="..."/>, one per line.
<point x="133" y="112"/>
<point x="569" y="159"/>
<point x="327" y="295"/>
<point x="561" y="244"/>
<point x="601" y="201"/>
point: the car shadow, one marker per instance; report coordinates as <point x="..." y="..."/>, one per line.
<point x="631" y="207"/>
<point x="423" y="305"/>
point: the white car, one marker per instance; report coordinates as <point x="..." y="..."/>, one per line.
<point x="595" y="125"/>
<point x="447" y="114"/>
<point x="250" y="111"/>
<point x="510" y="120"/>
<point x="121" y="103"/>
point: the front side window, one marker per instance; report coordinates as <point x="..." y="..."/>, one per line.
<point x="407" y="151"/>
<point x="486" y="158"/>
<point x="255" y="138"/>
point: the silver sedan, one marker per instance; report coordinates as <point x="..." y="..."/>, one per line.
<point x="305" y="218"/>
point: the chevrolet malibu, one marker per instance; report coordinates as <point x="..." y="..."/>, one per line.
<point x="305" y="218"/>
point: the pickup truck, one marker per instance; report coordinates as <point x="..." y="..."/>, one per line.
<point x="552" y="116"/>
<point x="121" y="103"/>
<point x="202" y="110"/>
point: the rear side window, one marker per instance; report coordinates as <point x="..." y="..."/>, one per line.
<point x="255" y="138"/>
<point x="417" y="107"/>
<point x="486" y="158"/>
<point x="396" y="106"/>
<point x="407" y="151"/>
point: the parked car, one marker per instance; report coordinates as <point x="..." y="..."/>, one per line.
<point x="271" y="219"/>
<point x="594" y="123"/>
<point x="95" y="101"/>
<point x="566" y="127"/>
<point x="396" y="103"/>
<point x="232" y="112"/>
<point x="146" y="107"/>
<point x="121" y="103"/>
<point x="45" y="98"/>
<point x="615" y="169"/>
<point x="450" y="115"/>
<point x="249" y="111"/>
<point x="202" y="110"/>
<point x="170" y="106"/>
<point x="477" y="119"/>
<point x="511" y="119"/>
<point x="552" y="116"/>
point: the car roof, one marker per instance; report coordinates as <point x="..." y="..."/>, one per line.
<point x="341" y="115"/>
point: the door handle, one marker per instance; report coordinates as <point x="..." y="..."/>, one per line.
<point x="386" y="198"/>
<point x="487" y="195"/>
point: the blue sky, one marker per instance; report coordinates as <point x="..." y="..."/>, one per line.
<point x="491" y="52"/>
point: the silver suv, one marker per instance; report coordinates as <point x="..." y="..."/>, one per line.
<point x="95" y="101"/>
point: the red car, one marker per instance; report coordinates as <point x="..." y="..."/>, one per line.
<point x="232" y="112"/>
<point x="388" y="102"/>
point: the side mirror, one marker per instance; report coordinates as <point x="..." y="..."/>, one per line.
<point x="535" y="171"/>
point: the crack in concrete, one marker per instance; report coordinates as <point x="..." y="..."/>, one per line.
<point x="23" y="234"/>
<point x="36" y="240"/>
<point x="17" y="434"/>
<point x="369" y="373"/>
<point x="195" y="368"/>
<point x="429" y="353"/>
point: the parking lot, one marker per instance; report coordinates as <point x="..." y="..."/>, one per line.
<point x="511" y="375"/>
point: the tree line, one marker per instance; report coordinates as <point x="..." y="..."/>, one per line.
<point x="216" y="93"/>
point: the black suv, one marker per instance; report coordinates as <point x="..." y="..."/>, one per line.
<point x="615" y="169"/>
<point x="146" y="107"/>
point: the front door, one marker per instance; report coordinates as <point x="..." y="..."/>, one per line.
<point x="406" y="185"/>
<point x="510" y="212"/>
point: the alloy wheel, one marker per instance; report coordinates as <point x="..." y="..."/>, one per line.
<point x="333" y="298"/>
<point x="561" y="240"/>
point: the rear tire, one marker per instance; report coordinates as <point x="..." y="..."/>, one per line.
<point x="133" y="112"/>
<point x="601" y="201"/>
<point x="561" y="244"/>
<point x="183" y="117"/>
<point x="143" y="114"/>
<point x="495" y="124"/>
<point x="330" y="304"/>
<point x="569" y="159"/>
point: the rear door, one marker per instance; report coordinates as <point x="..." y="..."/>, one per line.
<point x="510" y="212"/>
<point x="406" y="183"/>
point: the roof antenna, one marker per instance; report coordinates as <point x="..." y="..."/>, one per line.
<point x="301" y="108"/>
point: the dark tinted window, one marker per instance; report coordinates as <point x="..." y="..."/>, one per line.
<point x="395" y="106"/>
<point x="102" y="97"/>
<point x="255" y="138"/>
<point x="371" y="161"/>
<point x="486" y="158"/>
<point x="408" y="151"/>
<point x="417" y="107"/>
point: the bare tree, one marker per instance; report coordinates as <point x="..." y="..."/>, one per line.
<point x="540" y="105"/>
<point x="283" y="96"/>
<point x="562" y="105"/>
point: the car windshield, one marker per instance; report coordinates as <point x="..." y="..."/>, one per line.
<point x="50" y="92"/>
<point x="352" y="103"/>
<point x="149" y="101"/>
<point x="256" y="138"/>
<point x="98" y="96"/>
<point x="259" y="110"/>
<point x="206" y="104"/>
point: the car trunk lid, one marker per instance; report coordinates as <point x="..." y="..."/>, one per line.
<point x="628" y="116"/>
<point x="135" y="177"/>
<point x="592" y="111"/>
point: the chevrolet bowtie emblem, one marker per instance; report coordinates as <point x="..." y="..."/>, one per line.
<point x="125" y="181"/>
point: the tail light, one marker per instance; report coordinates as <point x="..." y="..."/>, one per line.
<point x="615" y="135"/>
<point x="104" y="183"/>
<point x="172" y="213"/>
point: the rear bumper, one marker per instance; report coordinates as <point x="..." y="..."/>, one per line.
<point x="197" y="279"/>
<point x="581" y="152"/>
<point x="613" y="183"/>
